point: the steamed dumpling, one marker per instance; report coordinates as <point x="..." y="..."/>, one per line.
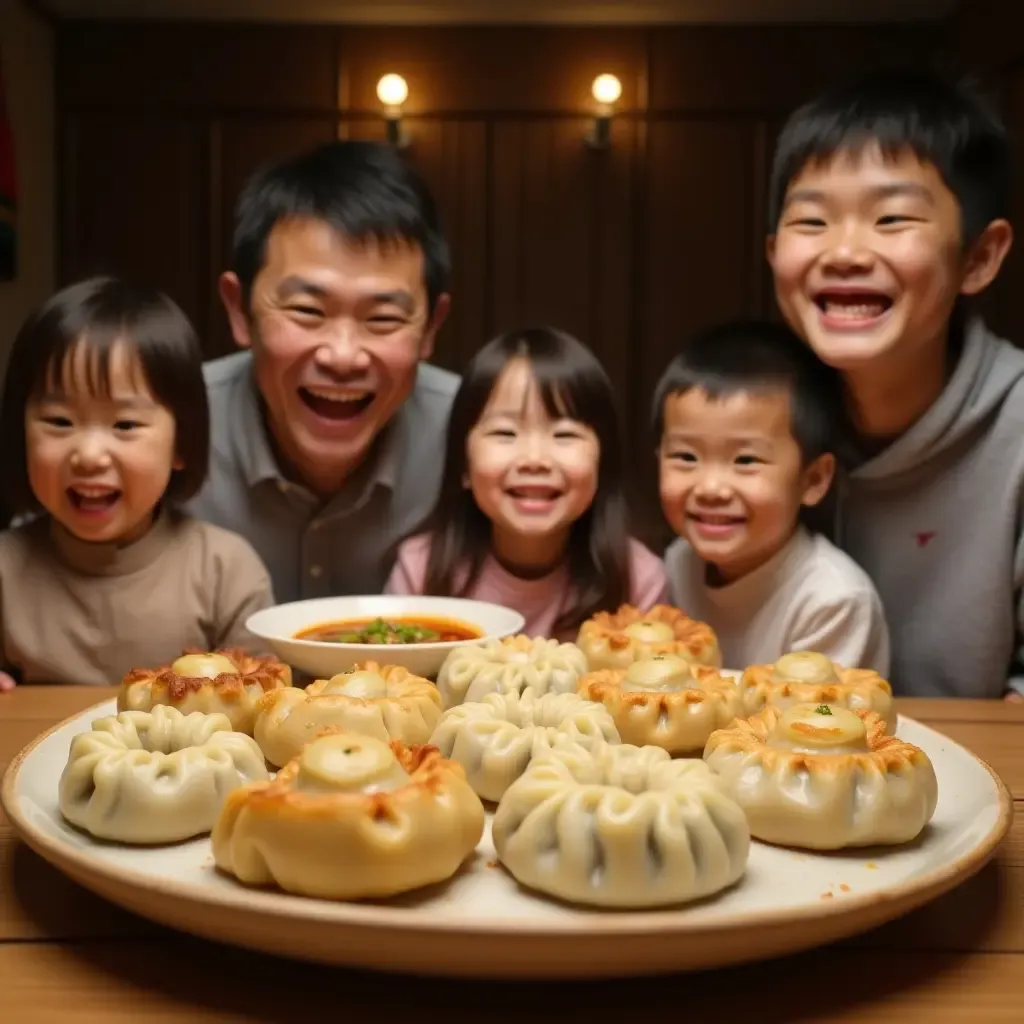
<point x="621" y="826"/>
<point x="510" y="665"/>
<point x="494" y="739"/>
<point x="157" y="776"/>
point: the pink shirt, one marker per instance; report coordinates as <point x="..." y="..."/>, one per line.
<point x="540" y="600"/>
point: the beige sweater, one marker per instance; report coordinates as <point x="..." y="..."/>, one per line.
<point x="75" y="612"/>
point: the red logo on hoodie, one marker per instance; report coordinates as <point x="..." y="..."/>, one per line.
<point x="924" y="537"/>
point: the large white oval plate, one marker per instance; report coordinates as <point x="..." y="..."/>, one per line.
<point x="482" y="923"/>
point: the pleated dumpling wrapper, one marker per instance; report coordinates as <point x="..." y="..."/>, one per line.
<point x="496" y="738"/>
<point x="510" y="665"/>
<point x="822" y="777"/>
<point x="153" y="777"/>
<point x="350" y="818"/>
<point x="621" y="826"/>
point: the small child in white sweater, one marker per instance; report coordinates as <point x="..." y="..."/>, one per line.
<point x="746" y="418"/>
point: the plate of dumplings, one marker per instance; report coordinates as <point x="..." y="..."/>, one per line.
<point x="621" y="805"/>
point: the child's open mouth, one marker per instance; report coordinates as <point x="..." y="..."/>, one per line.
<point x="852" y="308"/>
<point x="337" y="405"/>
<point x="93" y="500"/>
<point x="534" y="498"/>
<point x="711" y="525"/>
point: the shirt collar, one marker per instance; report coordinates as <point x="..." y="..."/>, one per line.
<point x="110" y="559"/>
<point x="755" y="588"/>
<point x="253" y="441"/>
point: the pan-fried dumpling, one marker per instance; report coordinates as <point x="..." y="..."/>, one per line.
<point x="807" y="677"/>
<point x="665" y="701"/>
<point x="350" y="818"/>
<point x="384" y="701"/>
<point x="229" y="682"/>
<point x="822" y="777"/>
<point x="616" y="639"/>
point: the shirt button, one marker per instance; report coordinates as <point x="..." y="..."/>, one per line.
<point x="282" y="486"/>
<point x="315" y="571"/>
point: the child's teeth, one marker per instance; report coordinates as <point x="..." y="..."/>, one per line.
<point x="855" y="311"/>
<point x="94" y="499"/>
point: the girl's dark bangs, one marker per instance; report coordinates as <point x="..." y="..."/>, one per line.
<point x="560" y="389"/>
<point x="558" y="399"/>
<point x="92" y="351"/>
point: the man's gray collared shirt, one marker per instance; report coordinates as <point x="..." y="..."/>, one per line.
<point x="314" y="548"/>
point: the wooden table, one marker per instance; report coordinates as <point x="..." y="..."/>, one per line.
<point x="67" y="955"/>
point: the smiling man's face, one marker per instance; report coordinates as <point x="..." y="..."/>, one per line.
<point x="337" y="329"/>
<point x="869" y="259"/>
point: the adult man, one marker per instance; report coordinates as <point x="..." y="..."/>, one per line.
<point x="327" y="431"/>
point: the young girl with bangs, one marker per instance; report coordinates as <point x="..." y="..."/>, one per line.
<point x="532" y="513"/>
<point x="105" y="430"/>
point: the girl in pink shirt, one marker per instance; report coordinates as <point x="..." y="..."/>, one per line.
<point x="531" y="513"/>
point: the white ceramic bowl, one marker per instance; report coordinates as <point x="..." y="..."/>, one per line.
<point x="278" y="626"/>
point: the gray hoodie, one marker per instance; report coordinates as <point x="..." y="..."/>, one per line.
<point x="937" y="520"/>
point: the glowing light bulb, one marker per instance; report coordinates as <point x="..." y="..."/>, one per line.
<point x="392" y="90"/>
<point x="606" y="89"/>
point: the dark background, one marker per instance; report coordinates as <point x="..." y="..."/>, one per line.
<point x="632" y="248"/>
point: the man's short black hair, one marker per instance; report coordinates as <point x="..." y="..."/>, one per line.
<point x="758" y="356"/>
<point x="364" y="190"/>
<point x="943" y="120"/>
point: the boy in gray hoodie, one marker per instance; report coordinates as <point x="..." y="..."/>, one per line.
<point x="889" y="202"/>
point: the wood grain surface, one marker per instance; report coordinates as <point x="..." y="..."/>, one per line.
<point x="65" y="954"/>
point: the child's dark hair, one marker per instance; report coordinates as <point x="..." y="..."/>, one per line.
<point x="102" y="313"/>
<point x="944" y="121"/>
<point x="573" y="384"/>
<point x="364" y="190"/>
<point x="756" y="356"/>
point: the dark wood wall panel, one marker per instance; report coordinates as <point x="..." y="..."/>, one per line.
<point x="984" y="38"/>
<point x="616" y="192"/>
<point x="134" y="200"/>
<point x="148" y="65"/>
<point x="632" y="248"/>
<point x="766" y="69"/>
<point x="469" y="71"/>
<point x="700" y="216"/>
<point x="561" y="220"/>
<point x="541" y="225"/>
<point x="453" y="158"/>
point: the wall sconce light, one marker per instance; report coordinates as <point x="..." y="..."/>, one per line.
<point x="392" y="91"/>
<point x="606" y="89"/>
